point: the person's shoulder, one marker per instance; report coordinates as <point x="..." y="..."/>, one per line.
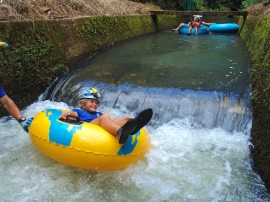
<point x="77" y="110"/>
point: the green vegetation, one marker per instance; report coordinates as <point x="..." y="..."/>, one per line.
<point x="153" y="6"/>
<point x="256" y="34"/>
<point x="261" y="95"/>
<point x="248" y="3"/>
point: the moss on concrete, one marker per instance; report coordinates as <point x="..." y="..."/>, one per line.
<point x="256" y="34"/>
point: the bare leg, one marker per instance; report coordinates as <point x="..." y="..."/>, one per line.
<point x="142" y="119"/>
<point x="189" y="28"/>
<point x="107" y="123"/>
<point x="196" y="30"/>
<point x="121" y="133"/>
<point x="112" y="124"/>
<point x="122" y="120"/>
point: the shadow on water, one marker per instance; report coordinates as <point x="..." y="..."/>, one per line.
<point x="204" y="76"/>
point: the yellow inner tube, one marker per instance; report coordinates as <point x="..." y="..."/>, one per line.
<point x="85" y="145"/>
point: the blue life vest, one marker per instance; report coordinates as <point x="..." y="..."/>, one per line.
<point x="86" y="116"/>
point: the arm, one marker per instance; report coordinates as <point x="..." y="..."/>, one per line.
<point x="11" y="107"/>
<point x="205" y="23"/>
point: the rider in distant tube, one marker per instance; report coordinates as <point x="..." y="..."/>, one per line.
<point x="193" y="24"/>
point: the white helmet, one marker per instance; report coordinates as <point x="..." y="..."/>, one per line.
<point x="90" y="93"/>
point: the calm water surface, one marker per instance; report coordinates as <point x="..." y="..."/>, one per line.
<point x="198" y="87"/>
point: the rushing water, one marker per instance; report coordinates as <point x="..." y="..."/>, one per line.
<point x="198" y="87"/>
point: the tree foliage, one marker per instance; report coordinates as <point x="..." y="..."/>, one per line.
<point x="250" y="2"/>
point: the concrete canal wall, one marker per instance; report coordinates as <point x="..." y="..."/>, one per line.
<point x="40" y="51"/>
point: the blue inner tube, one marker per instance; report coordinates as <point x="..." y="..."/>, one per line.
<point x="224" y="28"/>
<point x="201" y="30"/>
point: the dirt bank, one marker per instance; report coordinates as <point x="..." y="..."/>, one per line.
<point x="40" y="9"/>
